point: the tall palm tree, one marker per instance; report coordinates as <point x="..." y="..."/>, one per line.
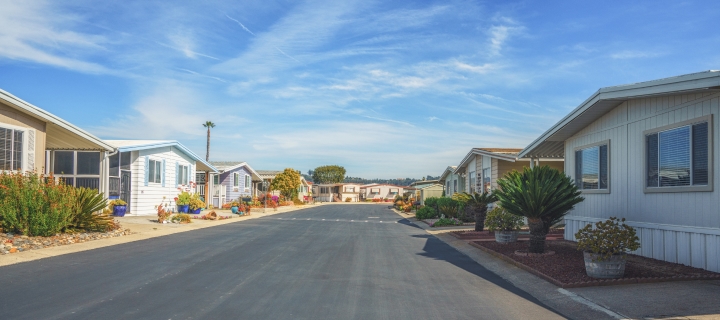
<point x="542" y="195"/>
<point x="209" y="125"/>
<point x="478" y="204"/>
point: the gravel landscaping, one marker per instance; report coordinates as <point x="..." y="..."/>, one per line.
<point x="10" y="243"/>
<point x="566" y="268"/>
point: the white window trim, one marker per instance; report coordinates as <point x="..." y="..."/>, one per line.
<point x="609" y="166"/>
<point x="24" y="165"/>
<point x="75" y="175"/>
<point x="151" y="179"/>
<point x="709" y="186"/>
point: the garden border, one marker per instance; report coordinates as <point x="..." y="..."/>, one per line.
<point x="594" y="283"/>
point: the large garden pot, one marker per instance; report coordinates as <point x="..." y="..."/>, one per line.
<point x="183" y="208"/>
<point x="506" y="236"/>
<point x="234" y="209"/>
<point x="119" y="211"/>
<point x="612" y="268"/>
<point x="197" y="211"/>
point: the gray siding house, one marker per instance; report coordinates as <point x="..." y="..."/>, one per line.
<point x="646" y="152"/>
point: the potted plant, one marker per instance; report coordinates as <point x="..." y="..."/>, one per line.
<point x="504" y="224"/>
<point x="234" y="206"/>
<point x="119" y="207"/>
<point x="196" y="205"/>
<point x="605" y="247"/>
<point x="183" y="201"/>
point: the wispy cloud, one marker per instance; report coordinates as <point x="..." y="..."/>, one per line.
<point x="390" y="120"/>
<point x="202" y="75"/>
<point x="241" y="25"/>
<point x="634" y="54"/>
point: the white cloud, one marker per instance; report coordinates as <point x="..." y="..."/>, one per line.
<point x="35" y="31"/>
<point x="634" y="54"/>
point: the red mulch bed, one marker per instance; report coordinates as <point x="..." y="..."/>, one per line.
<point x="566" y="268"/>
<point x="554" y="234"/>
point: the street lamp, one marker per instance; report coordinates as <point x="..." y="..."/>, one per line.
<point x="265" y="186"/>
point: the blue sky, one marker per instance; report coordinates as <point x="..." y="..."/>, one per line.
<point x="386" y="89"/>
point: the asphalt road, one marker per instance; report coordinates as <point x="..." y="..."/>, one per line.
<point x="329" y="262"/>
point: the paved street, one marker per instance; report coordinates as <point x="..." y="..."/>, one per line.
<point x="329" y="262"/>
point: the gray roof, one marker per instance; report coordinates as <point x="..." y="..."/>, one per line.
<point x="551" y="144"/>
<point x="225" y="164"/>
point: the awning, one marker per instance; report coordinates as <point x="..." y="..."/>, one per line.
<point x="375" y="190"/>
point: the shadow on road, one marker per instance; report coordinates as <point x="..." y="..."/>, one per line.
<point x="437" y="249"/>
<point x="409" y="223"/>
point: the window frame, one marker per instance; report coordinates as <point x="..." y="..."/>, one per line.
<point x="236" y="180"/>
<point x="247" y="181"/>
<point x="609" y="166"/>
<point x="158" y="165"/>
<point x="75" y="175"/>
<point x="690" y="188"/>
<point x="25" y="145"/>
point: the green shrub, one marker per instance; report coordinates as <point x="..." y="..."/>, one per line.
<point x="34" y="206"/>
<point x="448" y="207"/>
<point x="425" y="213"/>
<point x="87" y="213"/>
<point x="431" y="201"/>
<point x="498" y="219"/>
<point x="608" y="237"/>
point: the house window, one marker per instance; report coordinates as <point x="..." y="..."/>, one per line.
<point x="183" y="174"/>
<point x="448" y="186"/>
<point x="200" y="178"/>
<point x="77" y="168"/>
<point x="486" y="180"/>
<point x="679" y="157"/>
<point x="324" y="190"/>
<point x="216" y="179"/>
<point x="455" y="183"/>
<point x="236" y="180"/>
<point x="472" y="182"/>
<point x="11" y="149"/>
<point x="349" y="189"/>
<point x="247" y="181"/>
<point x="591" y="167"/>
<point x="155" y="171"/>
<point x="115" y="165"/>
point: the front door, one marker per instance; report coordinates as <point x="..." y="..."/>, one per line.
<point x="125" y="183"/>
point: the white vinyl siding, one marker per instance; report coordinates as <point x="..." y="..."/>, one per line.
<point x="145" y="198"/>
<point x="681" y="227"/>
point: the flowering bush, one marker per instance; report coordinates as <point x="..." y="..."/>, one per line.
<point x="498" y="219"/>
<point x="34" y="205"/>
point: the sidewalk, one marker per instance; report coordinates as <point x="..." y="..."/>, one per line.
<point x="142" y="228"/>
<point x="697" y="299"/>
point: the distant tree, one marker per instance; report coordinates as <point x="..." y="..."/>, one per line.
<point x="328" y="174"/>
<point x="287" y="182"/>
<point x="209" y="125"/>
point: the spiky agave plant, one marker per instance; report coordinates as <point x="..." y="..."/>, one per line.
<point x="543" y="195"/>
<point x="478" y="204"/>
<point x="87" y="211"/>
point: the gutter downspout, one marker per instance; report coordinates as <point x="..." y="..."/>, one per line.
<point x="105" y="181"/>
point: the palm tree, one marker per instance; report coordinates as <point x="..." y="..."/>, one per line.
<point x="478" y="204"/>
<point x="209" y="125"/>
<point x="543" y="195"/>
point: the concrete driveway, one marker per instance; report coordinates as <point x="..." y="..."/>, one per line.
<point x="329" y="262"/>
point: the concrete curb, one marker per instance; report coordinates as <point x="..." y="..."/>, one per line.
<point x="157" y="230"/>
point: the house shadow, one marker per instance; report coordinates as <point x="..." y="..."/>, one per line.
<point x="437" y="249"/>
<point x="409" y="223"/>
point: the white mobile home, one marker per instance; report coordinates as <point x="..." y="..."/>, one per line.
<point x="450" y="180"/>
<point x="380" y="191"/>
<point x="146" y="173"/>
<point x="647" y="152"/>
